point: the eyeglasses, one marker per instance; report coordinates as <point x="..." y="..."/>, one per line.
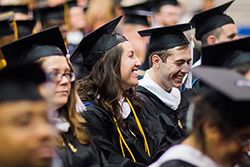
<point x="56" y="76"/>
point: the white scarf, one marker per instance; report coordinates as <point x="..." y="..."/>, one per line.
<point x="185" y="153"/>
<point x="171" y="99"/>
<point x="60" y="123"/>
<point x="125" y="109"/>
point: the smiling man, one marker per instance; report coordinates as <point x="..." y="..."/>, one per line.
<point x="26" y="133"/>
<point x="169" y="61"/>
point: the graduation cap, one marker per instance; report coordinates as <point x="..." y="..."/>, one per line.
<point x="159" y="3"/>
<point x="21" y="83"/>
<point x="164" y="38"/>
<point x="25" y="27"/>
<point x="227" y="54"/>
<point x="15" y="8"/>
<point x="72" y="4"/>
<point x="5" y="24"/>
<point x="30" y="48"/>
<point x="211" y="19"/>
<point x="137" y="13"/>
<point x="50" y="13"/>
<point x="227" y="91"/>
<point x="98" y="42"/>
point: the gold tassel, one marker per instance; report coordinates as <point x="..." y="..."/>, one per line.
<point x="66" y="17"/>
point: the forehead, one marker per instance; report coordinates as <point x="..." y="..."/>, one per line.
<point x="14" y="108"/>
<point x="169" y="8"/>
<point x="228" y="28"/>
<point x="176" y="55"/>
<point x="126" y="46"/>
<point x="58" y="62"/>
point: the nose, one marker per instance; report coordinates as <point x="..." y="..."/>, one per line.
<point x="185" y="68"/>
<point x="64" y="80"/>
<point x="236" y="37"/>
<point x="137" y="62"/>
<point x="45" y="131"/>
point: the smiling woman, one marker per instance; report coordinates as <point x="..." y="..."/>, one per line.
<point x="114" y="116"/>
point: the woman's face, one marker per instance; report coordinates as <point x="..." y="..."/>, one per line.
<point x="57" y="65"/>
<point x="129" y="66"/>
<point x="229" y="151"/>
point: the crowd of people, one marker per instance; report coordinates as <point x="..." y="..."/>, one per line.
<point x="122" y="83"/>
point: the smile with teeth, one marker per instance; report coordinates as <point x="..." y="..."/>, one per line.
<point x="179" y="77"/>
<point x="135" y="71"/>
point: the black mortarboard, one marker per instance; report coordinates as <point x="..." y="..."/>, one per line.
<point x="98" y="42"/>
<point x="25" y="27"/>
<point x="30" y="48"/>
<point x="137" y="14"/>
<point x="211" y="19"/>
<point x="72" y="3"/>
<point x="228" y="92"/>
<point x="5" y="24"/>
<point x="160" y="3"/>
<point x="21" y="83"/>
<point x="228" y="54"/>
<point x="15" y="8"/>
<point x="164" y="38"/>
<point x="50" y="13"/>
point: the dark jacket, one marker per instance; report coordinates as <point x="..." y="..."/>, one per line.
<point x="167" y="117"/>
<point x="102" y="128"/>
<point x="75" y="154"/>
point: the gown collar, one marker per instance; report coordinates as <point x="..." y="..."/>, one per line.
<point x="171" y="99"/>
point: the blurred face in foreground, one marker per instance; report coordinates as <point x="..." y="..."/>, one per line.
<point x="26" y="134"/>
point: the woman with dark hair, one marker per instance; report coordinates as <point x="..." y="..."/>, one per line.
<point x="114" y="116"/>
<point x="219" y="123"/>
<point x="74" y="145"/>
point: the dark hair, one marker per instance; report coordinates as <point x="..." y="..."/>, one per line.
<point x="243" y="68"/>
<point x="103" y="85"/>
<point x="204" y="112"/>
<point x="164" y="54"/>
<point x="216" y="32"/>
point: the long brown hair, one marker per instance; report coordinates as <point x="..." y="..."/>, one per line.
<point x="68" y="111"/>
<point x="103" y="85"/>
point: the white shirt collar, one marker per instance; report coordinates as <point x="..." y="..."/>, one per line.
<point x="171" y="99"/>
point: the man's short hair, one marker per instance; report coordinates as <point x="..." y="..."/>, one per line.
<point x="216" y="32"/>
<point x="164" y="54"/>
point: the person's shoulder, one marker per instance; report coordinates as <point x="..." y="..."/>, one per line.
<point x="177" y="163"/>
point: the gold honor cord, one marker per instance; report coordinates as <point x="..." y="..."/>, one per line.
<point x="121" y="139"/>
<point x="66" y="18"/>
<point x="140" y="128"/>
<point x="11" y="15"/>
<point x="15" y="29"/>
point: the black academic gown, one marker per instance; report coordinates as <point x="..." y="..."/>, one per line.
<point x="165" y="115"/>
<point x="86" y="155"/>
<point x="184" y="105"/>
<point x="101" y="126"/>
<point x="177" y="163"/>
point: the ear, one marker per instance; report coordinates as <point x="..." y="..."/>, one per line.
<point x="156" y="60"/>
<point x="211" y="40"/>
<point x="211" y="132"/>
